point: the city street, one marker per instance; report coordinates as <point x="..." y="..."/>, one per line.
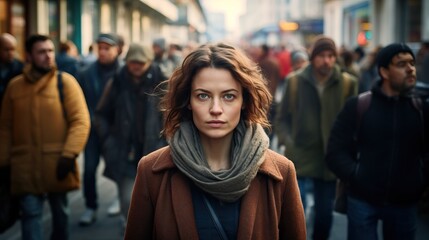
<point x="108" y="228"/>
<point x="105" y="228"/>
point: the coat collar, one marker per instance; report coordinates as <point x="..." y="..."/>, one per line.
<point x="182" y="198"/>
<point x="33" y="76"/>
<point x="268" y="167"/>
<point x="307" y="74"/>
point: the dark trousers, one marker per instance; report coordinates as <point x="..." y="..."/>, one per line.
<point x="324" y="196"/>
<point x="91" y="161"/>
<point x="32" y="216"/>
<point x="399" y="222"/>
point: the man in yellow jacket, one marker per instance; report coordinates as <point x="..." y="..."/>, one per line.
<point x="44" y="125"/>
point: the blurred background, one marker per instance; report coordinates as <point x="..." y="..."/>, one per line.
<point x="289" y="23"/>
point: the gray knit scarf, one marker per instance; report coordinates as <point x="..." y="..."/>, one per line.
<point x="248" y="147"/>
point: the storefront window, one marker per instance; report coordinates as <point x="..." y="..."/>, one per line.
<point x="54" y="21"/>
<point x="18" y="26"/>
<point x="414" y="24"/>
<point x="357" y="27"/>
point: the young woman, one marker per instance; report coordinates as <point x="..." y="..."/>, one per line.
<point x="217" y="179"/>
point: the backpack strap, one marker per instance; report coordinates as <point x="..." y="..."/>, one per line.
<point x="364" y="99"/>
<point x="60" y="90"/>
<point x="347" y="82"/>
<point x="293" y="88"/>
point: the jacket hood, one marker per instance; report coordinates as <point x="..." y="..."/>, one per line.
<point x="377" y="90"/>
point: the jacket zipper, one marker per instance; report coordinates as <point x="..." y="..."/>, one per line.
<point x="393" y="152"/>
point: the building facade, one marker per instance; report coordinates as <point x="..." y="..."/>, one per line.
<point x="370" y="23"/>
<point x="82" y="20"/>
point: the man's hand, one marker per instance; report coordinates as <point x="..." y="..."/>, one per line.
<point x="65" y="166"/>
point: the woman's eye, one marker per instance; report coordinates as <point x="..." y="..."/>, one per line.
<point x="203" y="96"/>
<point x="229" y="97"/>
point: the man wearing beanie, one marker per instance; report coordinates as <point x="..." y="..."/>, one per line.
<point x="312" y="99"/>
<point x="93" y="79"/>
<point x="379" y="146"/>
<point x="128" y="121"/>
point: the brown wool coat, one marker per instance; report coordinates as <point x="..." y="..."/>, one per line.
<point x="34" y="133"/>
<point x="161" y="205"/>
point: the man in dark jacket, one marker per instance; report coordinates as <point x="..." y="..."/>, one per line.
<point x="382" y="152"/>
<point x="93" y="79"/>
<point x="10" y="66"/>
<point x="65" y="60"/>
<point x="128" y="121"/>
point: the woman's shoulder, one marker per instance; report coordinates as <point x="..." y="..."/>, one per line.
<point x="276" y="165"/>
<point x="158" y="160"/>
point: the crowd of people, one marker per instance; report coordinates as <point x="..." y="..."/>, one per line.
<point x="216" y="140"/>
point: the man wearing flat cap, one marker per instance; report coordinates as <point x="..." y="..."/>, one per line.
<point x="127" y="119"/>
<point x="312" y="99"/>
<point x="379" y="146"/>
<point x="93" y="79"/>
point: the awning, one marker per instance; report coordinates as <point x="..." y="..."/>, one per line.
<point x="164" y="7"/>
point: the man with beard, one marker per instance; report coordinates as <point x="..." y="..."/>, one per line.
<point x="381" y="150"/>
<point x="312" y="99"/>
<point x="41" y="134"/>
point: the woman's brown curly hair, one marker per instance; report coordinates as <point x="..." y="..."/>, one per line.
<point x="256" y="97"/>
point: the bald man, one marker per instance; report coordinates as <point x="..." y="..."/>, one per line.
<point x="10" y="66"/>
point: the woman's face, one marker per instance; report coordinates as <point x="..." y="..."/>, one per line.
<point x="216" y="102"/>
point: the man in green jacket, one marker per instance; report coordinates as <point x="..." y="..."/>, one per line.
<point x="44" y="125"/>
<point x="312" y="99"/>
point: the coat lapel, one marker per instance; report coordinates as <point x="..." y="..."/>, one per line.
<point x="248" y="209"/>
<point x="183" y="207"/>
<point x="250" y="201"/>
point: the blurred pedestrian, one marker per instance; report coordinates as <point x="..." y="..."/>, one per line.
<point x="121" y="45"/>
<point x="313" y="98"/>
<point x="87" y="59"/>
<point x="217" y="179"/>
<point x="422" y="63"/>
<point x="175" y="54"/>
<point x="159" y="47"/>
<point x="10" y="66"/>
<point x="348" y="64"/>
<point x="299" y="59"/>
<point x="65" y="60"/>
<point x="369" y="71"/>
<point x="43" y="128"/>
<point x="271" y="71"/>
<point x="285" y="62"/>
<point x="128" y="120"/>
<point x="381" y="150"/>
<point x="358" y="55"/>
<point x="269" y="66"/>
<point x="93" y="79"/>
